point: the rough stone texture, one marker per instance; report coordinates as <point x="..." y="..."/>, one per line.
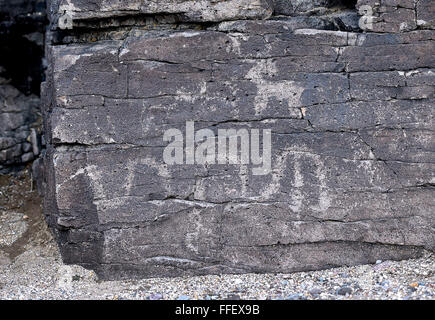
<point x="21" y="52"/>
<point x="309" y="7"/>
<point x="19" y="125"/>
<point x="398" y="15"/>
<point x="65" y="14"/>
<point x="352" y="148"/>
<point x="12" y="227"/>
<point x="425" y="14"/>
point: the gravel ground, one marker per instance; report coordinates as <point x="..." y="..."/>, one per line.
<point x="31" y="268"/>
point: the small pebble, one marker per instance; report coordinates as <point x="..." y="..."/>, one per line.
<point x="157" y="296"/>
<point x="412" y="289"/>
<point x="315" y="291"/>
<point x="344" y="291"/>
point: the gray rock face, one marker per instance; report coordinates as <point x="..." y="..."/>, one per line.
<point x="352" y="135"/>
<point x="18" y="118"/>
<point x="67" y="13"/>
<point x="309" y="7"/>
<point x="21" y="43"/>
<point x="397" y="15"/>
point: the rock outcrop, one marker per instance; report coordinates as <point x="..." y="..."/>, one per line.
<point x="22" y="28"/>
<point x="19" y="127"/>
<point x="351" y="120"/>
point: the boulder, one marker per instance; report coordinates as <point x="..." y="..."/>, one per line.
<point x="350" y="121"/>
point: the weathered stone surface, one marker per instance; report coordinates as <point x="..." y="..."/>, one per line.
<point x="309" y="7"/>
<point x="18" y="116"/>
<point x="352" y="126"/>
<point x="67" y="13"/>
<point x="396" y="15"/>
<point x="425" y="11"/>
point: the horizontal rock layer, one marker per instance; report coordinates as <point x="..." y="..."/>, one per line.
<point x="397" y="15"/>
<point x="65" y="14"/>
<point x="378" y="16"/>
<point x="351" y="116"/>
